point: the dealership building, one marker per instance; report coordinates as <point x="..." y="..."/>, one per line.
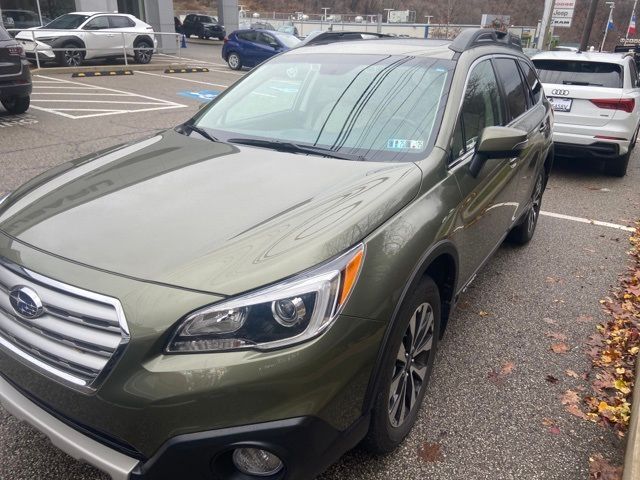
<point x="157" y="13"/>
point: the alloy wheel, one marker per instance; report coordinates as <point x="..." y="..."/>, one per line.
<point x="411" y="364"/>
<point x="73" y="58"/>
<point x="233" y="60"/>
<point x="144" y="55"/>
<point x="536" y="203"/>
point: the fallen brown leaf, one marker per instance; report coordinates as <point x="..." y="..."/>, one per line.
<point x="571" y="373"/>
<point x="601" y="469"/>
<point x="551" y="379"/>
<point x="430" y="452"/>
<point x="560" y="337"/>
<point x="570" y="397"/>
<point x="560" y="348"/>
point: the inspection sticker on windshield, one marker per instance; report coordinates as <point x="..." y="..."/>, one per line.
<point x="402" y="144"/>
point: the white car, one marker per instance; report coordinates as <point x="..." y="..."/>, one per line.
<point x="85" y="35"/>
<point x="596" y="100"/>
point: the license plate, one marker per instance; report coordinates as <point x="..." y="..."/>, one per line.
<point x="561" y="104"/>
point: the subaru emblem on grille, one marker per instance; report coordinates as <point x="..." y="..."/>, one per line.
<point x="26" y="302"/>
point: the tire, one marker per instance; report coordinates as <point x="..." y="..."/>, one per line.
<point x="70" y="58"/>
<point x="16" y="105"/>
<point x="143" y="56"/>
<point x="234" y="61"/>
<point x="221" y="38"/>
<point x="618" y="167"/>
<point x="417" y="329"/>
<point x="523" y="232"/>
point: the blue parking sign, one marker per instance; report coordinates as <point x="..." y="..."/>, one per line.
<point x="203" y="96"/>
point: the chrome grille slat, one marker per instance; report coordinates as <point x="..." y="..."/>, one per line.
<point x="77" y="337"/>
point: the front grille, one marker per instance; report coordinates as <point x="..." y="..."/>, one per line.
<point x="77" y="337"/>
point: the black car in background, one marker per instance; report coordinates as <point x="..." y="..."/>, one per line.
<point x="15" y="76"/>
<point x="203" y="26"/>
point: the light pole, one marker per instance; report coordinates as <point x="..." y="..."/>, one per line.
<point x="612" y="5"/>
<point x="544" y="23"/>
<point x="388" y="10"/>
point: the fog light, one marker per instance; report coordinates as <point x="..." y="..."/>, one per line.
<point x="254" y="461"/>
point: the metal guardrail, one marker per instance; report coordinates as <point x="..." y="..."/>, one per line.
<point x="124" y="35"/>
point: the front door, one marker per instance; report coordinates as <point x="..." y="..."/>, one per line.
<point x="489" y="204"/>
<point x="100" y="43"/>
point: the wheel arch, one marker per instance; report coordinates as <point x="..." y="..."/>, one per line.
<point x="141" y="38"/>
<point x="440" y="263"/>
<point x="61" y="41"/>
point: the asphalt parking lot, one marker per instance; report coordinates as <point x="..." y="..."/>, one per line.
<point x="486" y="411"/>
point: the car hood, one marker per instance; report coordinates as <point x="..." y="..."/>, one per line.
<point x="36" y="32"/>
<point x="213" y="217"/>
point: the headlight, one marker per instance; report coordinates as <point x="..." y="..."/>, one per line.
<point x="283" y="314"/>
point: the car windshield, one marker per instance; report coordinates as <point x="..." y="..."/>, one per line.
<point x="287" y="39"/>
<point x="379" y="108"/>
<point x="576" y="72"/>
<point x="66" y="22"/>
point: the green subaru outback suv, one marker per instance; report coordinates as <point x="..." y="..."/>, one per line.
<point x="253" y="293"/>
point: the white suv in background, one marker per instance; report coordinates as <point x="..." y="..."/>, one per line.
<point x="596" y="99"/>
<point x="89" y="35"/>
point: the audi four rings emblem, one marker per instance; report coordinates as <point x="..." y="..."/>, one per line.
<point x="560" y="92"/>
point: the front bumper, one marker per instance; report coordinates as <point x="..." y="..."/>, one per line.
<point x="306" y="445"/>
<point x="67" y="439"/>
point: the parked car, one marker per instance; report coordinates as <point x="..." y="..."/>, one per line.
<point x="596" y="99"/>
<point x="290" y="29"/>
<point x="15" y="87"/>
<point x="323" y="37"/>
<point x="89" y="35"/>
<point x="262" y="26"/>
<point x="340" y="200"/>
<point x="177" y="25"/>
<point x="203" y="26"/>
<point x="248" y="48"/>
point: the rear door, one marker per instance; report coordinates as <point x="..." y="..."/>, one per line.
<point x="10" y="64"/>
<point x="527" y="113"/>
<point x="572" y="85"/>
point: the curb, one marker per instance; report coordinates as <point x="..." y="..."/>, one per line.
<point x="198" y="41"/>
<point x="632" y="453"/>
<point x="100" y="68"/>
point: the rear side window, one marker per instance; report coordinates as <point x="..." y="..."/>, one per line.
<point x="532" y="80"/>
<point x="248" y="36"/>
<point x="571" y="72"/>
<point x="514" y="89"/>
<point x="120" y="22"/>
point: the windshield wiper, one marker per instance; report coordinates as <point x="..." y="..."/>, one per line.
<point x="295" y="148"/>
<point x="582" y="84"/>
<point x="200" y="131"/>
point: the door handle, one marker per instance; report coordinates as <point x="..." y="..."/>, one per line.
<point x="513" y="162"/>
<point x="543" y="128"/>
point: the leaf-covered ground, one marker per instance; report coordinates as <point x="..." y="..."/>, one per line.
<point x="613" y="349"/>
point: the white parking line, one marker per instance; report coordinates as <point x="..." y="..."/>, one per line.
<point x="63" y="102"/>
<point x="184" y="79"/>
<point x="586" y="220"/>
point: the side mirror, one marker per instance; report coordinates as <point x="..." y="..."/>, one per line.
<point x="497" y="142"/>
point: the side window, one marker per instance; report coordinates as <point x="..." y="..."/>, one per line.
<point x="120" y="22"/>
<point x="533" y="81"/>
<point x="267" y="39"/>
<point x="247" y="36"/>
<point x="481" y="107"/>
<point x="98" y="23"/>
<point x="513" y="86"/>
<point x="189" y="18"/>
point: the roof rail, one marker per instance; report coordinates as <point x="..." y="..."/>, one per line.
<point x="478" y="37"/>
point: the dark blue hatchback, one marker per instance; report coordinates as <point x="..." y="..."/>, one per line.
<point x="248" y="48"/>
